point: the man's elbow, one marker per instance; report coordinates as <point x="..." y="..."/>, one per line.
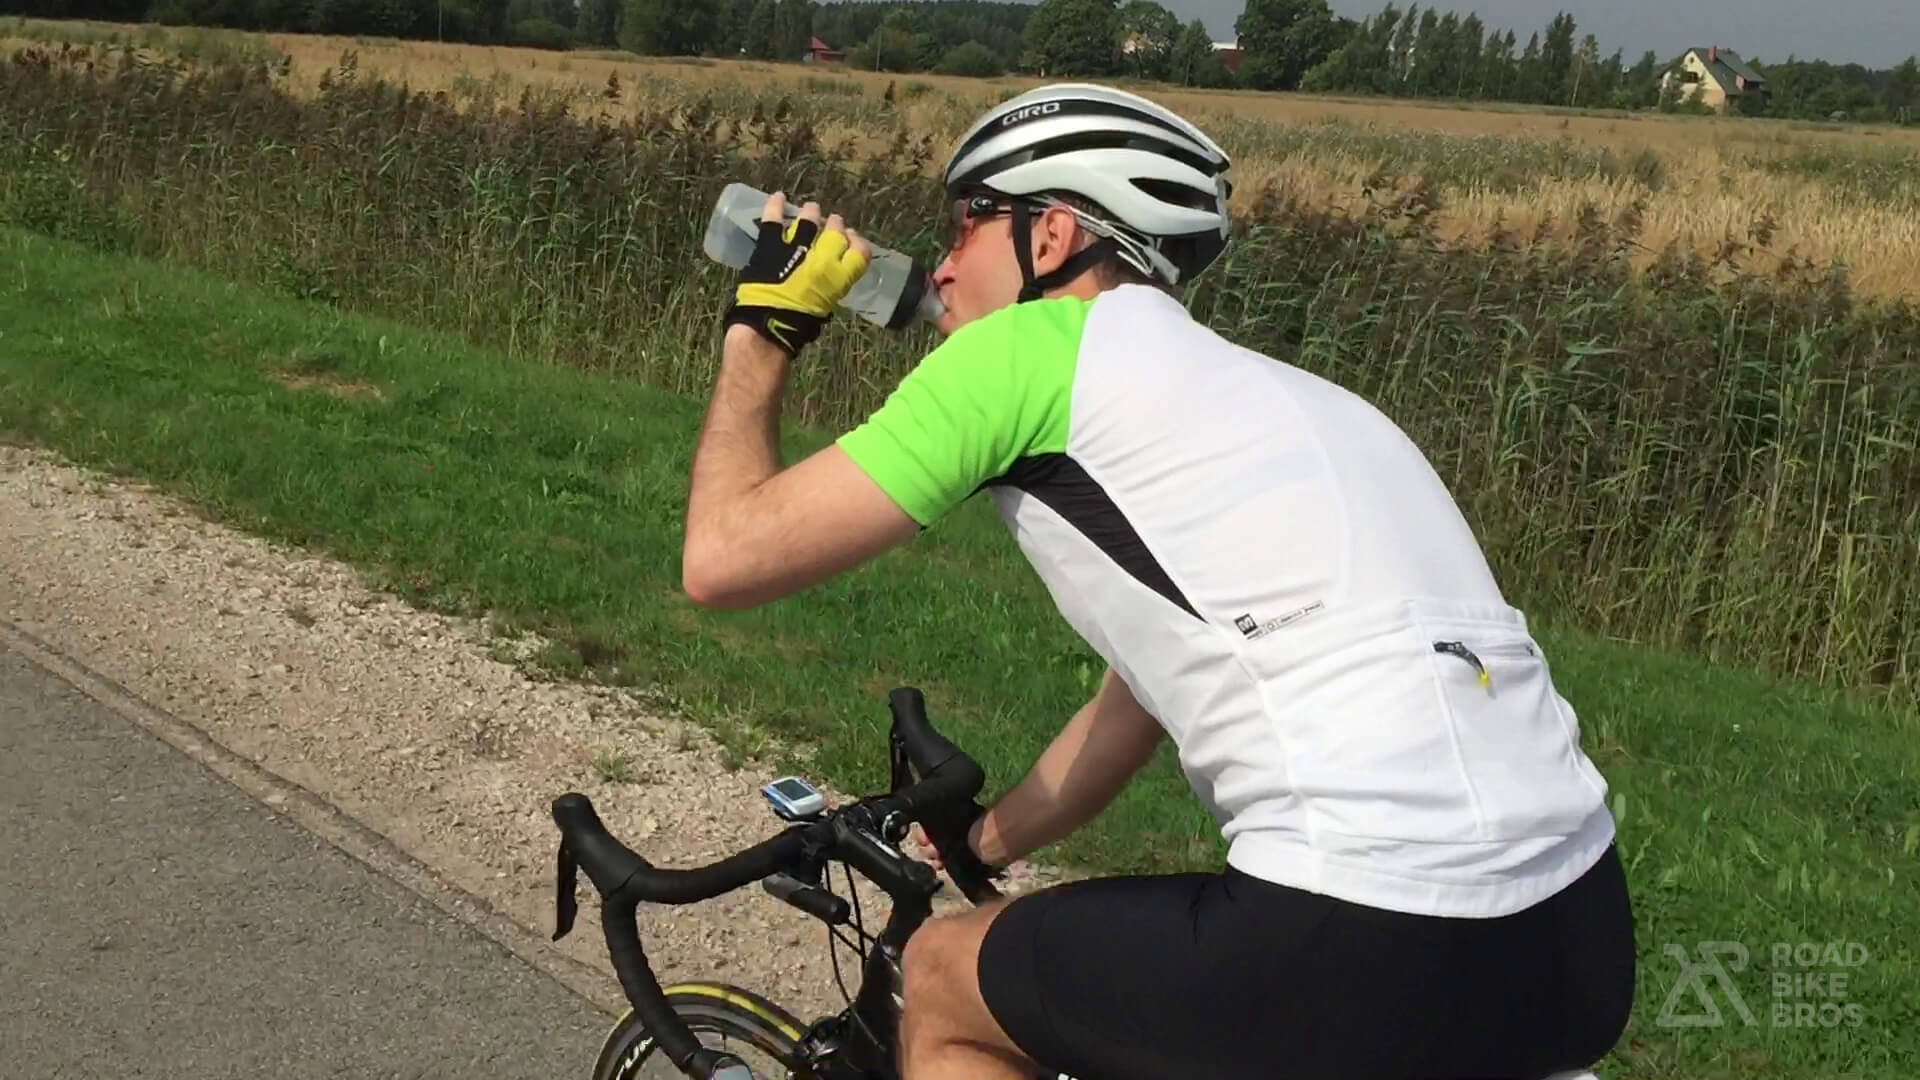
<point x="705" y="595"/>
<point x="712" y="580"/>
<point x="708" y="583"/>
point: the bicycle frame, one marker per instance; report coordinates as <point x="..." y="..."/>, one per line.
<point x="861" y="1041"/>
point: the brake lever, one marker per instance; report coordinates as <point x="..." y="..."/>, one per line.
<point x="565" y="905"/>
<point x="899" y="768"/>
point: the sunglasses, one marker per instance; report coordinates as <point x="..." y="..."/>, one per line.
<point x="969" y="212"/>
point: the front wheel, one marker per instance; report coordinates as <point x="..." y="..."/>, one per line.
<point x="727" y="1018"/>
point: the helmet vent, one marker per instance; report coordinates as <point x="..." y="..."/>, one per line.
<point x="1177" y="194"/>
<point x="1121" y="140"/>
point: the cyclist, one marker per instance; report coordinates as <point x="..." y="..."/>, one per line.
<point x="1421" y="879"/>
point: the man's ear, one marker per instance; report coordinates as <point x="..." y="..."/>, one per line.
<point x="1056" y="236"/>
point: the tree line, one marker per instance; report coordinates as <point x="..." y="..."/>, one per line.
<point x="544" y="23"/>
<point x="767" y="29"/>
<point x="1425" y="53"/>
<point x="1283" y="45"/>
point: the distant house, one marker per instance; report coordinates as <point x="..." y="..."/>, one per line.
<point x="1714" y="75"/>
<point x="1229" y="54"/>
<point x="819" y="53"/>
<point x="1229" y="50"/>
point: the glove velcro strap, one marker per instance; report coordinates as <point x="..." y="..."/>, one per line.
<point x="790" y="330"/>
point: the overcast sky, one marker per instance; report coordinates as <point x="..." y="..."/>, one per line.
<point x="1878" y="33"/>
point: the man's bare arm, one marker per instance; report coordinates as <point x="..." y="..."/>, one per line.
<point x="755" y="532"/>
<point x="1109" y="740"/>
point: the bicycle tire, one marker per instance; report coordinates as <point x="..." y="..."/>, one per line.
<point x="722" y="1016"/>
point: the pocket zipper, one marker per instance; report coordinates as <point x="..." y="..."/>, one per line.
<point x="1459" y="649"/>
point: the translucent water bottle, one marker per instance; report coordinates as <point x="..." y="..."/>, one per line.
<point x="894" y="291"/>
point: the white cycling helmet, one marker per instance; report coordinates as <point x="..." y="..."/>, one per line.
<point x="1160" y="179"/>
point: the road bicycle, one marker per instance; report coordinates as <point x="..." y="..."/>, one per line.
<point x="717" y="1031"/>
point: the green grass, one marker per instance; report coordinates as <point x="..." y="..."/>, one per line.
<point x="550" y="498"/>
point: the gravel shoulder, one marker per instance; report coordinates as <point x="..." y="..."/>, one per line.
<point x="411" y="723"/>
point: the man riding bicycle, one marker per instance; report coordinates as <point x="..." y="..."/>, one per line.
<point x="1421" y="879"/>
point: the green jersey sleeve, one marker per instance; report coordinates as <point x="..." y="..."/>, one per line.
<point x="998" y="389"/>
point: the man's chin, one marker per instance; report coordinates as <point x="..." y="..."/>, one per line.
<point x="952" y="320"/>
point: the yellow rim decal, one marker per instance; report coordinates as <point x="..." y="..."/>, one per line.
<point x="615" y="1029"/>
<point x="731" y="998"/>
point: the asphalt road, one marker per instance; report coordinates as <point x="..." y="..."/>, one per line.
<point x="157" y="922"/>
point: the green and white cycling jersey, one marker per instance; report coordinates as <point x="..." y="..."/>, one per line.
<point x="1281" y="578"/>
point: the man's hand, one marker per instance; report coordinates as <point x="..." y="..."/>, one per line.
<point x="1109" y="740"/>
<point x="922" y="846"/>
<point x="797" y="273"/>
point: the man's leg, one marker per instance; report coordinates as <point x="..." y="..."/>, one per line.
<point x="946" y="1030"/>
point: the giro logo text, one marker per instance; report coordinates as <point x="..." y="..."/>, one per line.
<point x="1028" y="113"/>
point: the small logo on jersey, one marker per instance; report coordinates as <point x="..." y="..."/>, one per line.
<point x="1253" y="629"/>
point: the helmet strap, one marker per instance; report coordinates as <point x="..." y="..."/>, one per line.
<point x="1031" y="287"/>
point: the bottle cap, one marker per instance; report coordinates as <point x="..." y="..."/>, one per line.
<point x="918" y="300"/>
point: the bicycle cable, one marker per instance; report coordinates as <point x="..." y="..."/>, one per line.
<point x="867" y="941"/>
<point x="836" y="935"/>
<point x="859" y="920"/>
<point x="833" y="953"/>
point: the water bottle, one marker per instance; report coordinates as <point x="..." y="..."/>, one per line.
<point x="894" y="292"/>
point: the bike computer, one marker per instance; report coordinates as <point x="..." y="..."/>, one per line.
<point x="794" y="799"/>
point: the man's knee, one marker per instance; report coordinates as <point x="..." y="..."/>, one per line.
<point x="944" y="1013"/>
<point x="935" y="955"/>
<point x="942" y="957"/>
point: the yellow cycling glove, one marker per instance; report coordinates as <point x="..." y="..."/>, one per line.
<point x="796" y="275"/>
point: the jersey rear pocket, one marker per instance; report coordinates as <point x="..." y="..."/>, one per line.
<point x="1514" y="737"/>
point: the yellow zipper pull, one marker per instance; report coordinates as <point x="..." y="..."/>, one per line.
<point x="1459" y="649"/>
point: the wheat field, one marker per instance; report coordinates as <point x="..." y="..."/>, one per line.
<point x="1709" y="187"/>
<point x="1827" y="193"/>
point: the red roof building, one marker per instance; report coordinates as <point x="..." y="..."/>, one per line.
<point x="819" y="53"/>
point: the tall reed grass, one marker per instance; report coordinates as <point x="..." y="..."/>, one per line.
<point x="1698" y="456"/>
